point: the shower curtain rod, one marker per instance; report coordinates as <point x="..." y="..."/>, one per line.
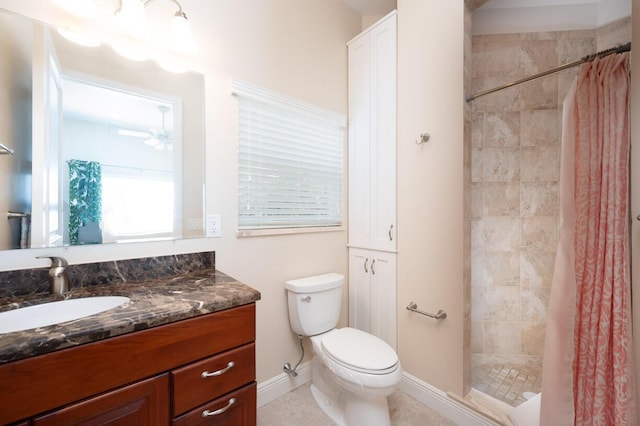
<point x="588" y="58"/>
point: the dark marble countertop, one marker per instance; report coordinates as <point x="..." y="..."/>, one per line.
<point x="152" y="303"/>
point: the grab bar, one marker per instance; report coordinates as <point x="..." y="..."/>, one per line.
<point x="439" y="316"/>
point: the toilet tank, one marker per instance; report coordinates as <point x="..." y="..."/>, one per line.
<point x="314" y="303"/>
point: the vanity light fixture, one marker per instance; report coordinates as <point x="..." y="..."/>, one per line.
<point x="180" y="37"/>
<point x="131" y="17"/>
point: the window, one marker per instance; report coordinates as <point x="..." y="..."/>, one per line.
<point x="290" y="162"/>
<point x="137" y="203"/>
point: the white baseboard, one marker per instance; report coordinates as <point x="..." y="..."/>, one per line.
<point x="439" y="401"/>
<point x="282" y="384"/>
<point x="429" y="395"/>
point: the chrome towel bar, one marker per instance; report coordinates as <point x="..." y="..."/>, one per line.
<point x="5" y="150"/>
<point x="439" y="316"/>
<point x="17" y="214"/>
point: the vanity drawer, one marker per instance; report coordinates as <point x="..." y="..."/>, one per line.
<point x="205" y="380"/>
<point x="234" y="409"/>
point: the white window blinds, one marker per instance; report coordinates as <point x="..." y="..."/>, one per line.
<point x="290" y="161"/>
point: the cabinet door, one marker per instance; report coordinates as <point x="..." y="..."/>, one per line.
<point x="383" y="297"/>
<point x="143" y="403"/>
<point x="372" y="137"/>
<point x="237" y="408"/>
<point x="359" y="141"/>
<point x="382" y="168"/>
<point x="372" y="293"/>
<point x="359" y="289"/>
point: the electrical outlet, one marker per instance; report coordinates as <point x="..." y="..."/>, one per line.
<point x="214" y="226"/>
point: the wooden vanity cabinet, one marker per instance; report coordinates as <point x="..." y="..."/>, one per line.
<point x="143" y="403"/>
<point x="150" y="377"/>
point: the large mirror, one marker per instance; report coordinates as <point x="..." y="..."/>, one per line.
<point x="95" y="148"/>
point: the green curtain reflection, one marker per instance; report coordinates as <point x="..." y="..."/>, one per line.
<point x="85" y="195"/>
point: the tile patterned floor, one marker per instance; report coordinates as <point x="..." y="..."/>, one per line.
<point x="507" y="378"/>
<point x="298" y="408"/>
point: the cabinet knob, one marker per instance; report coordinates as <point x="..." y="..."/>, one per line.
<point x="229" y="366"/>
<point x="390" y="234"/>
<point x="366" y="270"/>
<point x="373" y="262"/>
<point x="207" y="413"/>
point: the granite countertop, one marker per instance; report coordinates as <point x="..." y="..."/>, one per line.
<point x="152" y="302"/>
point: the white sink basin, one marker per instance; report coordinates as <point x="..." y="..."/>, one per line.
<point x="56" y="312"/>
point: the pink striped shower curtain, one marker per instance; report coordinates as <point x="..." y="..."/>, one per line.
<point x="588" y="376"/>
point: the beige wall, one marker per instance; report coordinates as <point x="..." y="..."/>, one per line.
<point x="430" y="189"/>
<point x="292" y="47"/>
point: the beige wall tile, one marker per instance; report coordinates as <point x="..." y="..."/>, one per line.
<point x="501" y="234"/>
<point x="477" y="337"/>
<point x="477" y="199"/>
<point x="502" y="268"/>
<point x="536" y="269"/>
<point x="502" y="303"/>
<point x="533" y="304"/>
<point x="573" y="45"/>
<point x="496" y="55"/>
<point x="501" y="337"/>
<point x="539" y="55"/>
<point x="539" y="234"/>
<point x="501" y="199"/>
<point x="539" y="199"/>
<point x="614" y="34"/>
<point x="477" y="173"/>
<point x="532" y="338"/>
<point x="540" y="127"/>
<point x="539" y="164"/>
<point x="541" y="93"/>
<point x="501" y="164"/>
<point x="477" y="129"/>
<point x="477" y="303"/>
<point x="502" y="129"/>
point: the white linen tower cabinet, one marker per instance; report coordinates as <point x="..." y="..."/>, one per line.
<point x="372" y="180"/>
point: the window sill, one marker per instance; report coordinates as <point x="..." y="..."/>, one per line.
<point x="287" y="231"/>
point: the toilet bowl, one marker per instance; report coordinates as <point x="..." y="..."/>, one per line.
<point x="353" y="372"/>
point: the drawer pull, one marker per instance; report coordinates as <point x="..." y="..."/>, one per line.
<point x="207" y="413"/>
<point x="206" y="374"/>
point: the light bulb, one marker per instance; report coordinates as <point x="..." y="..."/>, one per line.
<point x="131" y="17"/>
<point x="180" y="37"/>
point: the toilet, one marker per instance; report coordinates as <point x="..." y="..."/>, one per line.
<point x="353" y="372"/>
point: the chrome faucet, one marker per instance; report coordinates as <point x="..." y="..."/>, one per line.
<point x="58" y="279"/>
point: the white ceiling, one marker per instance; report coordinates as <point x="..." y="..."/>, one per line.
<point x="508" y="16"/>
<point x="371" y="7"/>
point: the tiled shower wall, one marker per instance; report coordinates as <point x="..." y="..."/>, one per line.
<point x="515" y="151"/>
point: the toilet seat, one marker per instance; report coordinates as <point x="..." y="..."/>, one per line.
<point x="359" y="351"/>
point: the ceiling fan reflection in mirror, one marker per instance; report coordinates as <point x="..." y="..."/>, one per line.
<point x="160" y="139"/>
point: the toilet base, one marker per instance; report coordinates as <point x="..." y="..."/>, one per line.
<point x="333" y="409"/>
<point x="343" y="407"/>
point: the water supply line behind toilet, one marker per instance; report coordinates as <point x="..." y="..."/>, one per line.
<point x="287" y="367"/>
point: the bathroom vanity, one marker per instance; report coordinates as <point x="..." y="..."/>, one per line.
<point x="181" y="352"/>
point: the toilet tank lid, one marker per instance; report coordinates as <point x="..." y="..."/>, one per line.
<point x="315" y="283"/>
